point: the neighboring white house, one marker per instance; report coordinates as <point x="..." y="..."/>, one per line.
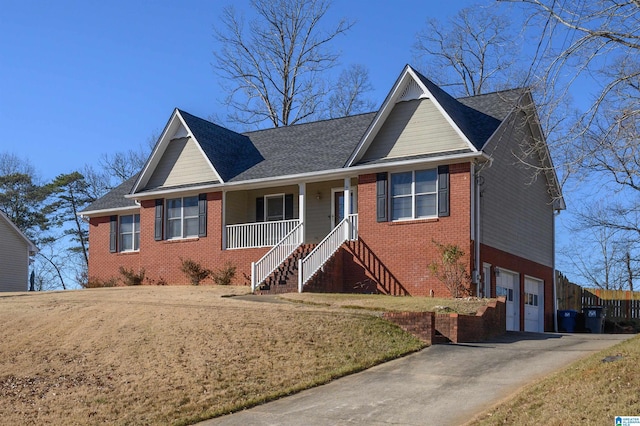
<point x="15" y="250"/>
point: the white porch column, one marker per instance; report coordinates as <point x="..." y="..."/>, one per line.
<point x="347" y="206"/>
<point x="302" y="211"/>
<point x="224" y="220"/>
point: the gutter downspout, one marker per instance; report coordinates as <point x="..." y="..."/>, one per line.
<point x="475" y="197"/>
<point x="555" y="290"/>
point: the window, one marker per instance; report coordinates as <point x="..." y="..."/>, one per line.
<point x="506" y="292"/>
<point x="414" y="194"/>
<point x="130" y="232"/>
<point x="531" y="299"/>
<point x="182" y="217"/>
<point x="274" y="207"/>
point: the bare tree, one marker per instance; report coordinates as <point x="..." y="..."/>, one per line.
<point x="347" y="97"/>
<point x="474" y="52"/>
<point x="274" y="69"/>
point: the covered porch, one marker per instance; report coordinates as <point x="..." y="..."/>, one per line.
<point x="321" y="215"/>
<point x="263" y="217"/>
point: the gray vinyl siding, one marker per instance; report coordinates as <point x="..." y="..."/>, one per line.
<point x="181" y="164"/>
<point x="414" y="127"/>
<point x="14" y="259"/>
<point x="516" y="210"/>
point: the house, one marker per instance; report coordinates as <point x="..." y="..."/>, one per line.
<point x="15" y="252"/>
<point x="349" y="204"/>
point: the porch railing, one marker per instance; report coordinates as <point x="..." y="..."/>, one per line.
<point x="346" y="230"/>
<point x="261" y="269"/>
<point x="260" y="234"/>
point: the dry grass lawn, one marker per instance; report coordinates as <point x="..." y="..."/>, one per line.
<point x="381" y="302"/>
<point x="163" y="355"/>
<point x="589" y="392"/>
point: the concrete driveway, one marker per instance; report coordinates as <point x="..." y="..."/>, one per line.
<point x="440" y="385"/>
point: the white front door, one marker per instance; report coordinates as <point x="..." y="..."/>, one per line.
<point x="507" y="286"/>
<point x="533" y="305"/>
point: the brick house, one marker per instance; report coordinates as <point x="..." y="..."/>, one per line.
<point x="349" y="204"/>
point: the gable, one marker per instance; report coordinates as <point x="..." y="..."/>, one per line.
<point x="182" y="163"/>
<point x="414" y="127"/>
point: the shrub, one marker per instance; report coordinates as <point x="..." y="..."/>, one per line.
<point x="224" y="275"/>
<point x="129" y="277"/>
<point x="195" y="271"/>
<point x="450" y="270"/>
<point x="98" y="283"/>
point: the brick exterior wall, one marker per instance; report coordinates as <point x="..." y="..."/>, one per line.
<point x="397" y="254"/>
<point x="161" y="259"/>
<point x="501" y="259"/>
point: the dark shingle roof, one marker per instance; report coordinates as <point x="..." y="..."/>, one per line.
<point x="114" y="199"/>
<point x="230" y="153"/>
<point x="302" y="148"/>
<point x="476" y="125"/>
<point x="316" y="146"/>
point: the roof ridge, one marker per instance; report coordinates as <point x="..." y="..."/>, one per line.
<point x="308" y="123"/>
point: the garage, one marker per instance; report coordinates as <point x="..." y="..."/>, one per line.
<point x="533" y="305"/>
<point x="507" y="285"/>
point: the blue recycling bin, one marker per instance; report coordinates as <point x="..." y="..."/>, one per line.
<point x="594" y="319"/>
<point x="567" y="320"/>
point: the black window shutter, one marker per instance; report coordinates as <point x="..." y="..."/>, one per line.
<point x="158" y="219"/>
<point x="202" y="215"/>
<point x="381" y="198"/>
<point x="443" y="191"/>
<point x="288" y="206"/>
<point x="260" y="209"/>
<point x="113" y="234"/>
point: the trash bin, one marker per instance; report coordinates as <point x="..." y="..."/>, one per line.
<point x="594" y="319"/>
<point x="567" y="321"/>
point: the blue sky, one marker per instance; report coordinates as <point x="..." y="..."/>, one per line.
<point x="80" y="78"/>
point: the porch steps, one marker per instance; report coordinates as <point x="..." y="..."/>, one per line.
<point x="285" y="278"/>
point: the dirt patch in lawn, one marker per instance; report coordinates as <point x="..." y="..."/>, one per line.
<point x="163" y="355"/>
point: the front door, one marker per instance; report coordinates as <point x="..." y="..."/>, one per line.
<point x="337" y="205"/>
<point x="338" y="208"/>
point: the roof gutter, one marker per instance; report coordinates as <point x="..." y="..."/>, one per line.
<point x="314" y="176"/>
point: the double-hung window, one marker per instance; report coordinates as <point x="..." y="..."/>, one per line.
<point x="274" y="207"/>
<point x="182" y="217"/>
<point x="414" y="194"/>
<point x="130" y="232"/>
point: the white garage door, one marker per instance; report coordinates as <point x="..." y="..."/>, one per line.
<point x="533" y="305"/>
<point x="507" y="286"/>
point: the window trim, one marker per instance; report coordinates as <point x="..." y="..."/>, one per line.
<point x="135" y="230"/>
<point x="266" y="207"/>
<point x="182" y="218"/>
<point x="413" y="195"/>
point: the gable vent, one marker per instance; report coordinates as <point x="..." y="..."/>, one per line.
<point x="412" y="91"/>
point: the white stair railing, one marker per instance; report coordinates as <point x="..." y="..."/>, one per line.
<point x="268" y="263"/>
<point x="346" y="230"/>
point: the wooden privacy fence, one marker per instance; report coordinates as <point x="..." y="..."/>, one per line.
<point x="619" y="304"/>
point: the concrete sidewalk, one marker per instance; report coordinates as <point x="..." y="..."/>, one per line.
<point x="440" y="385"/>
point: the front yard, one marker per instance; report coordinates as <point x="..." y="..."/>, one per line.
<point x="175" y="355"/>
